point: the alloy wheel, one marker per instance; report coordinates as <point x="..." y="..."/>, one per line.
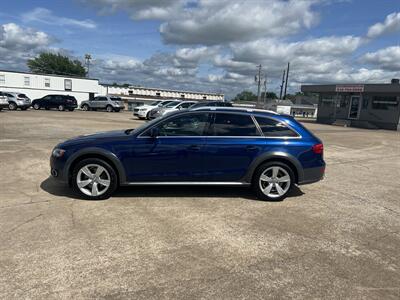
<point x="93" y="180"/>
<point x="275" y="182"/>
<point x="12" y="106"/>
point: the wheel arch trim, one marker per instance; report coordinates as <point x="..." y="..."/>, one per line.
<point x="97" y="152"/>
<point x="270" y="156"/>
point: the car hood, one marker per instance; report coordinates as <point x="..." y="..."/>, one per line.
<point x="146" y="107"/>
<point x="99" y="136"/>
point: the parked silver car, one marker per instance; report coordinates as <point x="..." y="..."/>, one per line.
<point x="3" y="101"/>
<point x="17" y="100"/>
<point x="109" y="103"/>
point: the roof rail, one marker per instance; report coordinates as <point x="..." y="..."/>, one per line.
<point x="246" y="109"/>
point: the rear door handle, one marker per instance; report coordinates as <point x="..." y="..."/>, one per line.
<point x="251" y="148"/>
<point x="194" y="147"/>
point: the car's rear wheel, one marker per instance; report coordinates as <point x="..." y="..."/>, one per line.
<point x="85" y="107"/>
<point x="109" y="108"/>
<point x="272" y="181"/>
<point x="12" y="106"/>
<point x="94" y="179"/>
<point x="61" y="107"/>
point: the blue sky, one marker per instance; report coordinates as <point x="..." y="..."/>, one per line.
<point x="210" y="45"/>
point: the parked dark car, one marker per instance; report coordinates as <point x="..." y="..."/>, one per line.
<point x="211" y="104"/>
<point x="60" y="102"/>
<point x="207" y="146"/>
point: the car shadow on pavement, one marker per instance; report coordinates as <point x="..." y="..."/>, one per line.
<point x="55" y="188"/>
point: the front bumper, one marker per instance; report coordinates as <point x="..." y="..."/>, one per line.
<point x="311" y="175"/>
<point x="57" y="169"/>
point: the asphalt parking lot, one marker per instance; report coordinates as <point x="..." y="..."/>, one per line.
<point x="339" y="238"/>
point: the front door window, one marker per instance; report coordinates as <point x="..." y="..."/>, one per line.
<point x="354" y="110"/>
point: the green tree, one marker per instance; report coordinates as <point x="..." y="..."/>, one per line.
<point x="270" y="95"/>
<point x="245" y="96"/>
<point x="50" y="63"/>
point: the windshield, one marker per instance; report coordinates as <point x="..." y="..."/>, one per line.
<point x="172" y="104"/>
<point x="22" y="96"/>
<point x="164" y="103"/>
<point x="115" y="98"/>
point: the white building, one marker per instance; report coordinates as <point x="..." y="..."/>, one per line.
<point x="37" y="86"/>
<point x="154" y="93"/>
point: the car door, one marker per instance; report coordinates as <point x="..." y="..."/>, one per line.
<point x="46" y="101"/>
<point x="101" y="102"/>
<point x="234" y="141"/>
<point x="174" y="155"/>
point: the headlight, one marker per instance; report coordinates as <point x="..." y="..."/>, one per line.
<point x="58" y="152"/>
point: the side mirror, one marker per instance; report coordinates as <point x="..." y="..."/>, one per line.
<point x="154" y="132"/>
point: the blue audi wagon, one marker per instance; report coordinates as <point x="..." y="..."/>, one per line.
<point x="203" y="146"/>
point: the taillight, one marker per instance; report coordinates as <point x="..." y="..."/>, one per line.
<point x="318" y="149"/>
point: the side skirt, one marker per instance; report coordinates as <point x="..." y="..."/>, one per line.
<point x="234" y="183"/>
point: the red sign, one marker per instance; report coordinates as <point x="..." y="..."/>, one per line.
<point x="355" y="88"/>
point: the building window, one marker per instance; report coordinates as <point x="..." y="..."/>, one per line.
<point x="158" y="94"/>
<point x="47" y="82"/>
<point x="27" y="81"/>
<point x="182" y="96"/>
<point x="204" y="97"/>
<point x="68" y="84"/>
<point x="130" y="92"/>
<point x="384" y="102"/>
<point x="2" y="79"/>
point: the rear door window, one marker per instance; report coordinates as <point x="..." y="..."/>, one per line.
<point x="233" y="125"/>
<point x="273" y="128"/>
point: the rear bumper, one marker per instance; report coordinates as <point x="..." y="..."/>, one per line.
<point x="312" y="175"/>
<point x="3" y="105"/>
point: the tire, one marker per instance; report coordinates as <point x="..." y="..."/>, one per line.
<point x="85" y="107"/>
<point x="109" y="108"/>
<point x="71" y="109"/>
<point x="272" y="181"/>
<point x="36" y="106"/>
<point x="117" y="110"/>
<point x="12" y="106"/>
<point x="61" y="107"/>
<point x="24" y="108"/>
<point x="47" y="108"/>
<point x="86" y="188"/>
<point x="148" y="116"/>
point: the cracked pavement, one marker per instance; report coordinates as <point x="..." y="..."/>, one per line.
<point x="339" y="238"/>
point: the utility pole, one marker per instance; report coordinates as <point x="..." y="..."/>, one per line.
<point x="283" y="83"/>
<point x="265" y="91"/>
<point x="287" y="78"/>
<point x="88" y="57"/>
<point x="258" y="80"/>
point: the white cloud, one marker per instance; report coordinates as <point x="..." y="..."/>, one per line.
<point x="390" y="25"/>
<point x="139" y="9"/>
<point x="387" y="58"/>
<point x="215" y="22"/>
<point x="46" y="16"/>
<point x="17" y="44"/>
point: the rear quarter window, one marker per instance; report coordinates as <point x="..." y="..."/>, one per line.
<point x="273" y="128"/>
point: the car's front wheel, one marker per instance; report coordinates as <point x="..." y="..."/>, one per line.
<point x="109" y="108"/>
<point x="85" y="107"/>
<point x="272" y="181"/>
<point x="12" y="106"/>
<point x="94" y="179"/>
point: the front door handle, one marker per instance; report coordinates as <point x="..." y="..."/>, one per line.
<point x="194" y="147"/>
<point x="251" y="148"/>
